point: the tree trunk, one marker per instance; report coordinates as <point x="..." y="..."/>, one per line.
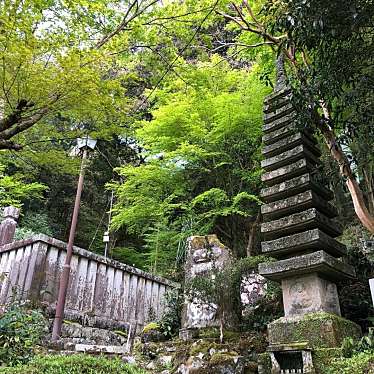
<point x="252" y="235"/>
<point x="337" y="153"/>
<point x="370" y="191"/>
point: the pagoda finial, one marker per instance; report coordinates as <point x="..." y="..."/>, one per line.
<point x="281" y="80"/>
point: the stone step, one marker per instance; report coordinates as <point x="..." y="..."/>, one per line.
<point x="283" y="119"/>
<point x="297" y="203"/>
<point x="295" y="186"/>
<point x="100" y="349"/>
<point x="289" y="157"/>
<point x="298" y="222"/>
<point x="277" y="95"/>
<point x="290" y="142"/>
<point x="305" y="241"/>
<point x="319" y="262"/>
<point x="287" y="172"/>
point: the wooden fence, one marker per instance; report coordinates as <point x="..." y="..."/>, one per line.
<point x="101" y="292"/>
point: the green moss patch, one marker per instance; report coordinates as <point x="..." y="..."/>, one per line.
<point x="223" y="357"/>
<point x="319" y="330"/>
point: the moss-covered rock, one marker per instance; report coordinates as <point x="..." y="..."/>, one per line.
<point x="223" y="357"/>
<point x="319" y="330"/>
<point x="151" y="327"/>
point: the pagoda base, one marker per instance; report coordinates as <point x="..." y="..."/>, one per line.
<point x="317" y="330"/>
<point x="305" y="343"/>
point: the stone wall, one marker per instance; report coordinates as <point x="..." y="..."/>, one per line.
<point x="101" y="292"/>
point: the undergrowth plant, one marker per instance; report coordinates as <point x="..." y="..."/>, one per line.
<point x="21" y="330"/>
<point x="74" y="364"/>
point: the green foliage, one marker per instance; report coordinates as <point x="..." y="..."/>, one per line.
<point x="365" y="344"/>
<point x="202" y="163"/>
<point x="14" y="190"/>
<point x="170" y="320"/>
<point x="129" y="256"/>
<point x="335" y="44"/>
<point x="241" y="268"/>
<point x="20" y="331"/>
<point x="33" y="223"/>
<point x="360" y="363"/>
<point x="354" y="295"/>
<point x="266" y="309"/>
<point x="73" y="364"/>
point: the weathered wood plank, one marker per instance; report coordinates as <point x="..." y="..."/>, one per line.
<point x="89" y="293"/>
<point x="24" y="269"/>
<point x="49" y="284"/>
<point x="72" y="293"/>
<point x="117" y="291"/>
<point x="4" y="277"/>
<point x="13" y="290"/>
<point x="147" y="301"/>
<point x="100" y="290"/>
<point x="155" y="306"/>
<point x="132" y="298"/>
<point x="125" y="296"/>
<point x="140" y="301"/>
<point x="81" y="279"/>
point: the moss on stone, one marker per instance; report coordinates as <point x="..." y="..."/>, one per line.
<point x="223" y="357"/>
<point x="214" y="333"/>
<point x="322" y="358"/>
<point x="151" y="327"/>
<point x="319" y="330"/>
<point x="203" y="346"/>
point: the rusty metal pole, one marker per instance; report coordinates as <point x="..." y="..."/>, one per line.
<point x="60" y="307"/>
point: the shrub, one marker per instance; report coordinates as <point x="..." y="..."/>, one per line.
<point x="365" y="344"/>
<point x="360" y="363"/>
<point x="74" y="364"/>
<point x="171" y="318"/>
<point x="20" y="331"/>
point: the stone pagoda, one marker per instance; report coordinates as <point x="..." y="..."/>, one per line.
<point x="299" y="231"/>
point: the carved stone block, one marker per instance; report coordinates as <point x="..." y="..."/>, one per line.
<point x="309" y="293"/>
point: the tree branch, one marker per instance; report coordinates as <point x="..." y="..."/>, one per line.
<point x="125" y="21"/>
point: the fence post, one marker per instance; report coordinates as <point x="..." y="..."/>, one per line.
<point x="8" y="225"/>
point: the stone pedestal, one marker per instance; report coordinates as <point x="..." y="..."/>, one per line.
<point x="299" y="230"/>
